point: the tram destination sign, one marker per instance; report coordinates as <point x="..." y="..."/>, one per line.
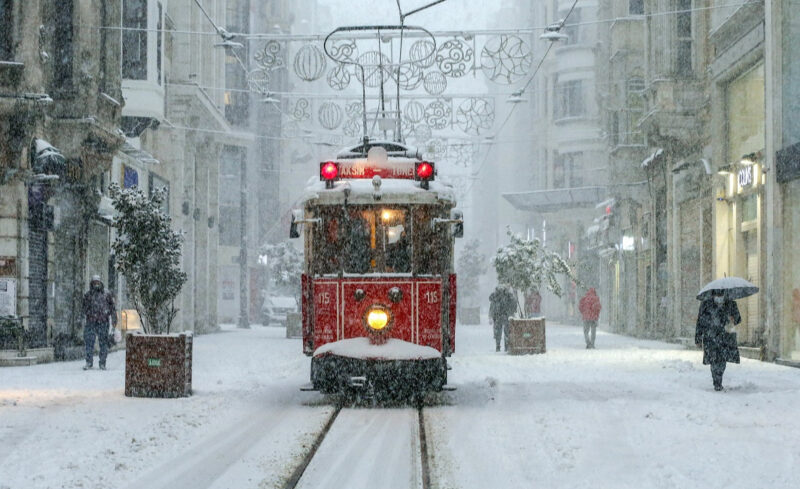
<point x="364" y="169"/>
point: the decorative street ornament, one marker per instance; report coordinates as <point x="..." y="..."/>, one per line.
<point x="454" y="57"/>
<point x="354" y="109"/>
<point x="422" y="53"/>
<point x="309" y="63"/>
<point x="339" y="77"/>
<point x="343" y="50"/>
<point x="330" y="115"/>
<point x="270" y="57"/>
<point x="505" y="59"/>
<point x="300" y="111"/>
<point x="414" y="112"/>
<point x="435" y="83"/>
<point x="352" y="127"/>
<point x="377" y="68"/>
<point x="461" y="154"/>
<point x="422" y="133"/>
<point x="409" y="76"/>
<point x="258" y="81"/>
<point x="437" y="114"/>
<point x="435" y="149"/>
<point x="475" y="115"/>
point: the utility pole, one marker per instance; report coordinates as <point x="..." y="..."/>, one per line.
<point x="244" y="304"/>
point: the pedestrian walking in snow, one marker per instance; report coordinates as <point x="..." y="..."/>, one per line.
<point x="589" y="307"/>
<point x="98" y="307"/>
<point x="502" y="304"/>
<point x="719" y="346"/>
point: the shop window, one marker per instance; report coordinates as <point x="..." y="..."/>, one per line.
<point x="571" y="28"/>
<point x="6" y="30"/>
<point x="134" y="39"/>
<point x="230" y="219"/>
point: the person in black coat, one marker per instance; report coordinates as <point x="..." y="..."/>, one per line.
<point x="502" y="304"/>
<point x="719" y="346"/>
<point x="98" y="307"/>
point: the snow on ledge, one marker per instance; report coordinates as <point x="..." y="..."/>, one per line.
<point x="393" y="349"/>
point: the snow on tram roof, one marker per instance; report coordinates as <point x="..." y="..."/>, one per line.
<point x="361" y="191"/>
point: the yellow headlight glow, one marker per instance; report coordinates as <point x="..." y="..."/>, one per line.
<point x="377" y="319"/>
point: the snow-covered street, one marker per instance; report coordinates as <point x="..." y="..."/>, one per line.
<point x="631" y="413"/>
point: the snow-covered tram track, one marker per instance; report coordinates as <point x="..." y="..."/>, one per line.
<point x="367" y="448"/>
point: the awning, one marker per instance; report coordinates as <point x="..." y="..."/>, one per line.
<point x="556" y="199"/>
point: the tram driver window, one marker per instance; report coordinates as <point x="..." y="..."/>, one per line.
<point x="396" y="241"/>
<point x="358" y="242"/>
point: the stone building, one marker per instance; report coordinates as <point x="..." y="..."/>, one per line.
<point x="59" y="118"/>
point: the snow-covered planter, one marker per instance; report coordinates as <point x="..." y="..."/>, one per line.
<point x="147" y="252"/>
<point x="526" y="265"/>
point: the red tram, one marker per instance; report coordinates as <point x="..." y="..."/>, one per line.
<point x="379" y="289"/>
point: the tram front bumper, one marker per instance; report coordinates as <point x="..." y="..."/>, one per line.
<point x="332" y="373"/>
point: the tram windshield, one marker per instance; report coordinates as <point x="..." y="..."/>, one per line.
<point x="372" y="239"/>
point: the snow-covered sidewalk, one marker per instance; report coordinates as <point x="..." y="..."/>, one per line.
<point x="631" y="413"/>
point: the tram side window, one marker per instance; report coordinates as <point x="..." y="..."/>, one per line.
<point x="327" y="244"/>
<point x="428" y="243"/>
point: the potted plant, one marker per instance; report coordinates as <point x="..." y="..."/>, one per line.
<point x="147" y="252"/>
<point x="526" y="265"/>
<point x="471" y="265"/>
<point x="285" y="264"/>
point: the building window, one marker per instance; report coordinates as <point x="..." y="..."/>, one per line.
<point x="62" y="44"/>
<point x="130" y="177"/>
<point x="231" y="165"/>
<point x="6" y="30"/>
<point x="567" y="171"/>
<point x="636" y="7"/>
<point x="683" y="49"/>
<point x="134" y="39"/>
<point x="570" y="99"/>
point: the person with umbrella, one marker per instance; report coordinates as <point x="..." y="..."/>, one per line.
<point x="717" y="309"/>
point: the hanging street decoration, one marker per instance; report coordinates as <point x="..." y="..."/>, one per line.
<point x="309" y="63"/>
<point x="377" y="67"/>
<point x="437" y="114"/>
<point x="271" y="56"/>
<point x="435" y="149"/>
<point x="258" y="81"/>
<point x="352" y="127"/>
<point x="339" y="77"/>
<point x="300" y="111"/>
<point x="434" y="83"/>
<point x="454" y="58"/>
<point x="505" y="59"/>
<point x="414" y="112"/>
<point x="354" y="109"/>
<point x="409" y="76"/>
<point x="475" y="115"/>
<point x="330" y="115"/>
<point x="422" y="53"/>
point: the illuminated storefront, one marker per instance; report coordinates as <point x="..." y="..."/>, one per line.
<point x="740" y="238"/>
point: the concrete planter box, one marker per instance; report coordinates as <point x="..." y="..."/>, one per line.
<point x="158" y="365"/>
<point x="469" y="315"/>
<point x="294" y="325"/>
<point x="526" y="336"/>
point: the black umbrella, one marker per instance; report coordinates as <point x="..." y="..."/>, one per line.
<point x="732" y="287"/>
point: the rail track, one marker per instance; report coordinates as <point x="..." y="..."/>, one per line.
<point x="367" y="447"/>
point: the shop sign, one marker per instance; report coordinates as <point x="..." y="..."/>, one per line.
<point x="746" y="176"/>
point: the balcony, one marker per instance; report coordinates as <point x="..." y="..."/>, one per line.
<point x="675" y="110"/>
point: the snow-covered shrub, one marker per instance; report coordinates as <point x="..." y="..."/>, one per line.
<point x="471" y="265"/>
<point x="147" y="252"/>
<point x="526" y="265"/>
<point x="285" y="265"/>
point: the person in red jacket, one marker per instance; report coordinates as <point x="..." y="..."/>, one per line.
<point x="589" y="306"/>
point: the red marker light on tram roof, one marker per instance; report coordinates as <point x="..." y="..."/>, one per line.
<point x="328" y="170"/>
<point x="424" y="170"/>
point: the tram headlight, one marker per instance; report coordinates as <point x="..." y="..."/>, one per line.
<point x="377" y="318"/>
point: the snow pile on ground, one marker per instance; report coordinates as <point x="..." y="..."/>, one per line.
<point x="393" y="349"/>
